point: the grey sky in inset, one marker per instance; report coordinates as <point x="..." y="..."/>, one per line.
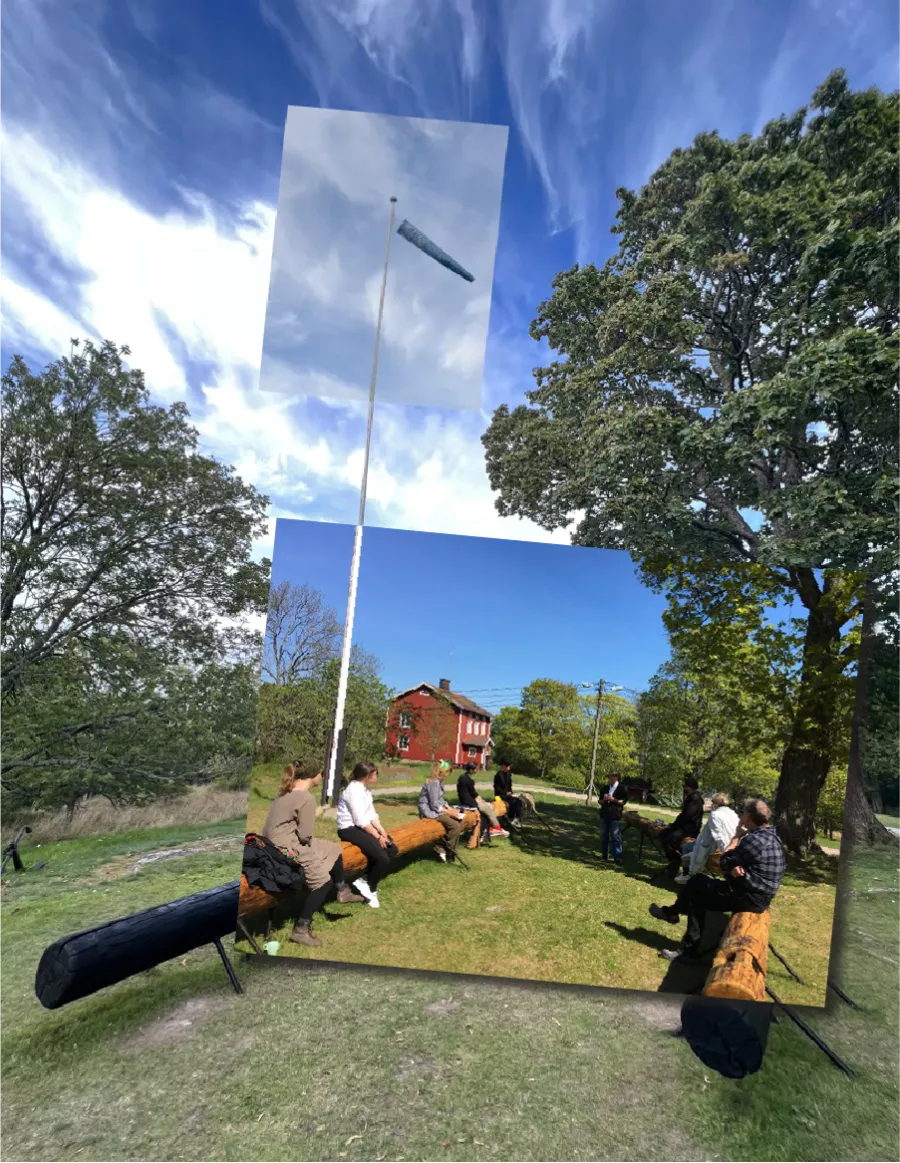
<point x="338" y="172"/>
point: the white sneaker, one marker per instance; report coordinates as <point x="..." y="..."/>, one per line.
<point x="374" y="902"/>
<point x="683" y="879"/>
<point x="362" y="887"/>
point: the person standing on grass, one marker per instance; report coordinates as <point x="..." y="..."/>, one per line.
<point x="358" y="823"/>
<point x="718" y="832"/>
<point x="686" y="825"/>
<point x="754" y="868"/>
<point x="290" y="825"/>
<point x="433" y="806"/>
<point x="503" y="789"/>
<point x="612" y="805"/>
<point x="470" y="800"/>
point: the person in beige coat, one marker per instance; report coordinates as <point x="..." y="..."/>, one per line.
<point x="290" y="825"/>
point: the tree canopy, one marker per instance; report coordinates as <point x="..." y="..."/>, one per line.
<point x="725" y="388"/>
<point x="128" y="661"/>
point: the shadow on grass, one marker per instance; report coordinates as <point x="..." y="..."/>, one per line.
<point x="577" y="837"/>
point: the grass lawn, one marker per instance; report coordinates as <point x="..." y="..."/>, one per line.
<point x="327" y="1062"/>
<point x="546" y="907"/>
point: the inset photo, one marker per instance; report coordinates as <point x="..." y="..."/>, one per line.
<point x="545" y="764"/>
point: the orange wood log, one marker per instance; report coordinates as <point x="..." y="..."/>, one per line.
<point x="408" y="838"/>
<point x="744" y="946"/>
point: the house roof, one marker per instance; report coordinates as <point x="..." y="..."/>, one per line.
<point x="461" y="702"/>
<point x="474" y="740"/>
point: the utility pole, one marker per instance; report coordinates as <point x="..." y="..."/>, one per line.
<point x="590" y="790"/>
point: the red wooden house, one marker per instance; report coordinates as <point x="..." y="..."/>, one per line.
<point x="428" y="722"/>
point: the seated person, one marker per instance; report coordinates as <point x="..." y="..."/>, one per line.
<point x="717" y="834"/>
<point x="470" y="800"/>
<point x="358" y="823"/>
<point x="503" y="791"/>
<point x="289" y="826"/>
<point x="753" y="866"/>
<point x="686" y="825"/>
<point x="433" y="806"/>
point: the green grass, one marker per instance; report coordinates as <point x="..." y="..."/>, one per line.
<point x="545" y="907"/>
<point x="889" y="821"/>
<point x="172" y="1065"/>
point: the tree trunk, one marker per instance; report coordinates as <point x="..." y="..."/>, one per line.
<point x="860" y="825"/>
<point x="807" y="757"/>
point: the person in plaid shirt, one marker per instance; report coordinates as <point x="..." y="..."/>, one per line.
<point x="753" y="864"/>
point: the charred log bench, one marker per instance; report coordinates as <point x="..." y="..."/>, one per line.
<point x="83" y="963"/>
<point x="79" y="965"/>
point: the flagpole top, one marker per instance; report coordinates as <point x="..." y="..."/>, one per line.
<point x="393" y="199"/>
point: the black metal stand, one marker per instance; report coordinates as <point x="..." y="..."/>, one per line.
<point x="245" y="932"/>
<point x="810" y="1033"/>
<point x="842" y="995"/>
<point x="457" y="859"/>
<point x="793" y="972"/>
<point x="11" y="852"/>
<point x="229" y="968"/>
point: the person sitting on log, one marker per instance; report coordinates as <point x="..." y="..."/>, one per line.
<point x="433" y="806"/>
<point x="718" y="832"/>
<point x="503" y="790"/>
<point x="290" y="825"/>
<point x="469" y="799"/>
<point x="358" y="823"/>
<point x="686" y="825"/>
<point x="754" y="866"/>
<point x="612" y="804"/>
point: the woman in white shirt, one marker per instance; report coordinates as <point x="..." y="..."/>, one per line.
<point x="717" y="834"/>
<point x="358" y="823"/>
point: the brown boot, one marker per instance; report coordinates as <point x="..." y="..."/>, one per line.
<point x="303" y="935"/>
<point x="346" y="896"/>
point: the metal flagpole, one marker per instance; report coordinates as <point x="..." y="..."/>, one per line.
<point x="336" y="748"/>
<point x="590" y="788"/>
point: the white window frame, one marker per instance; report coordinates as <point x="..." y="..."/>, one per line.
<point x="405" y="719"/>
<point x="401" y="746"/>
<point x="472" y="752"/>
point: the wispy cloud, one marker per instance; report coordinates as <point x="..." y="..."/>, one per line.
<point x="338" y="172"/>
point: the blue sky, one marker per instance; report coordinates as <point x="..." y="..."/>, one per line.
<point x="142" y="144"/>
<point x="490" y="615"/>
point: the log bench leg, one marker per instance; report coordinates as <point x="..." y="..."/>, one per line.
<point x="229" y="968"/>
<point x="248" y="936"/>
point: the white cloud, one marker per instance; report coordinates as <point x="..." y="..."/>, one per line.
<point x="144" y="274"/>
<point x="339" y="170"/>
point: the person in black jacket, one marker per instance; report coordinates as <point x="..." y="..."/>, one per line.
<point x="503" y="789"/>
<point x="469" y="800"/>
<point x="686" y="826"/>
<point x="612" y="804"/>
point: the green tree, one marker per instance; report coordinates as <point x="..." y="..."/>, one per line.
<point x="553" y="716"/>
<point x="726" y="382"/>
<point x="294" y="719"/>
<point x="127" y="581"/>
<point x="617" y="739"/>
<point x="515" y="741"/>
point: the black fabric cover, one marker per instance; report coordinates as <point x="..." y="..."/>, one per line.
<point x="267" y="867"/>
<point x="728" y="1035"/>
